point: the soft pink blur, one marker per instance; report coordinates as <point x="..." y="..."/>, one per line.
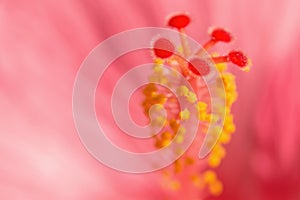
<point x="42" y="44"/>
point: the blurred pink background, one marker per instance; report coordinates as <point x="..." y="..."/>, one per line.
<point x="42" y="44"/>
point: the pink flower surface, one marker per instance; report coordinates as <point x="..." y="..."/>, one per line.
<point x="42" y="46"/>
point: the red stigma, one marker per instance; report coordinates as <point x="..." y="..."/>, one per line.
<point x="198" y="67"/>
<point x="221" y="35"/>
<point x="179" y="21"/>
<point x="238" y="58"/>
<point x="163" y="48"/>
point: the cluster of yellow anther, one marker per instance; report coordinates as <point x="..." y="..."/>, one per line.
<point x="218" y="152"/>
<point x="215" y="186"/>
<point x="158" y="72"/>
<point x="184" y="91"/>
<point x="209" y="180"/>
<point x="153" y="95"/>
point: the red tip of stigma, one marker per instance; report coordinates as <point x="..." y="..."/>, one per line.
<point x="238" y="58"/>
<point x="221" y="35"/>
<point x="179" y="21"/>
<point x="163" y="48"/>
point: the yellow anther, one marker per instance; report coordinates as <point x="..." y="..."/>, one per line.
<point x="185" y="114"/>
<point x="166" y="135"/>
<point x="177" y="166"/>
<point x="213" y="118"/>
<point x="182" y="90"/>
<point x="216" y="188"/>
<point x="189" y="161"/>
<point x="219" y="151"/>
<point x="230" y="128"/>
<point x="230" y="87"/>
<point x="174" y="125"/>
<point x="159" y="99"/>
<point x="214" y="160"/>
<point x="162" y="143"/>
<point x="179" y="138"/>
<point x="229" y="117"/>
<point x="207" y="117"/>
<point x="163" y="80"/>
<point x="159" y="78"/>
<point x="158" y="69"/>
<point x="209" y="176"/>
<point x="203" y="116"/>
<point x="197" y="182"/>
<point x="159" y="121"/>
<point x="221" y="67"/>
<point x="180" y="49"/>
<point x="191" y="97"/>
<point x="201" y="107"/>
<point x="159" y="61"/>
<point x="157" y="108"/>
<point x="166" y="142"/>
<point x="149" y="89"/>
<point x="228" y="78"/>
<point x="230" y="98"/>
<point x="225" y="138"/>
